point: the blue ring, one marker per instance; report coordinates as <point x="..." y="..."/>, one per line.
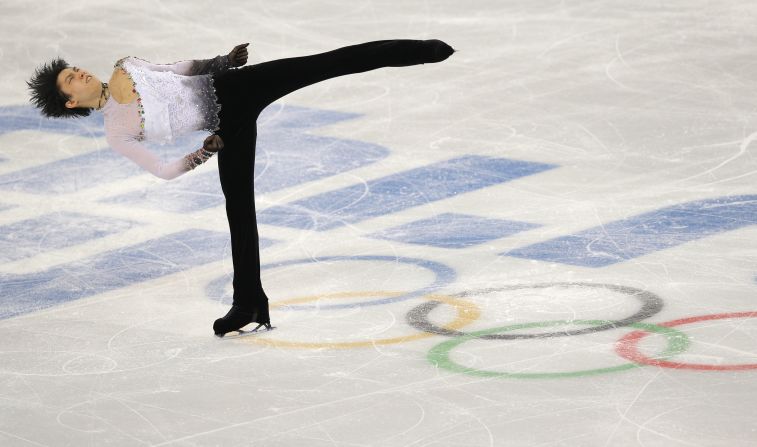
<point x="444" y="276"/>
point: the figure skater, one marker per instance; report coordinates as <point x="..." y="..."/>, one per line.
<point x="144" y="102"/>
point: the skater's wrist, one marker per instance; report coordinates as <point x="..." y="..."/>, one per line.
<point x="197" y="158"/>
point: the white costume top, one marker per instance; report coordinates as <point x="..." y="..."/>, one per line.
<point x="172" y="100"/>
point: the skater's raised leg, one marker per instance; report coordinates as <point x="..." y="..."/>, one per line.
<point x="269" y="81"/>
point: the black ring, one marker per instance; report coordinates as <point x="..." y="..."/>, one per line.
<point x="651" y="305"/>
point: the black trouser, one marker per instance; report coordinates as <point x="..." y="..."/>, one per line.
<point x="243" y="94"/>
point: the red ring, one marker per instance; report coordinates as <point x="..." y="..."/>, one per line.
<point x="627" y="347"/>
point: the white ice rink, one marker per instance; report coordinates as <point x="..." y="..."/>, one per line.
<point x="583" y="170"/>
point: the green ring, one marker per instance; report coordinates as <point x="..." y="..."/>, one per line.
<point x="439" y="354"/>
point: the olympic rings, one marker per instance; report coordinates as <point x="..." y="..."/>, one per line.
<point x="627" y="347"/>
<point x="439" y="354"/>
<point x="466" y="313"/>
<point x="443" y="275"/>
<point x="651" y="305"/>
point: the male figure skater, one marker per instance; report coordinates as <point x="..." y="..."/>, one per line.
<point x="144" y="102"/>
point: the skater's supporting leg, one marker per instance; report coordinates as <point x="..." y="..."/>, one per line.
<point x="236" y="163"/>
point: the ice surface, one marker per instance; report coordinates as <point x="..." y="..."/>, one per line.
<point x="635" y="122"/>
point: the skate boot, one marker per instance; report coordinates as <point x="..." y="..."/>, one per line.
<point x="235" y="320"/>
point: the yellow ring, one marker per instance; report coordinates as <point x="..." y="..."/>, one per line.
<point x="467" y="312"/>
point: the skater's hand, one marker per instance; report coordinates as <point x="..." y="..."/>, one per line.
<point x="213" y="143"/>
<point x="238" y="56"/>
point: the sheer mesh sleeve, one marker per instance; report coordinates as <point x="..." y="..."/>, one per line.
<point x="147" y="160"/>
<point x="216" y="65"/>
<point x="139" y="154"/>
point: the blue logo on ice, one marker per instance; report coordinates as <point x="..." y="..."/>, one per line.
<point x="646" y="233"/>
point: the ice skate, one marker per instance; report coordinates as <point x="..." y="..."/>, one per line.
<point x="236" y="319"/>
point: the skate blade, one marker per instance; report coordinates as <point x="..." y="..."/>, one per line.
<point x="239" y="333"/>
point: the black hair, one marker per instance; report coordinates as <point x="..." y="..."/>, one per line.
<point x="46" y="95"/>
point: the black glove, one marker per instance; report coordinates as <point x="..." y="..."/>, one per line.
<point x="238" y="56"/>
<point x="213" y="143"/>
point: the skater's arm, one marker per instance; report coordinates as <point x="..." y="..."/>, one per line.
<point x="216" y="65"/>
<point x="147" y="160"/>
<point x="236" y="58"/>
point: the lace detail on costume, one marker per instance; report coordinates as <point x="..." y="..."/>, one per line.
<point x="173" y="104"/>
<point x="197" y="158"/>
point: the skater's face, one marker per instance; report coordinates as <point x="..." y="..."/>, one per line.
<point x="81" y="86"/>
